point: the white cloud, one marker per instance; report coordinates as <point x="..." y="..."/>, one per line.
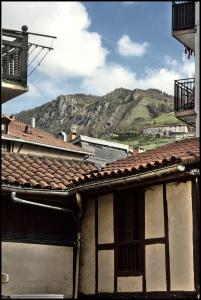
<point x="127" y="47"/>
<point x="114" y="76"/>
<point x="127" y="3"/>
<point x="107" y="79"/>
<point x="78" y="52"/>
<point x="170" y="62"/>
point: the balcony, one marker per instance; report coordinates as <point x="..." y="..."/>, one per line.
<point x="184" y="100"/>
<point x="14" y="63"/>
<point x="183" y="23"/>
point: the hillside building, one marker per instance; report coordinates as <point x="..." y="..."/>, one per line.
<point x="169" y="130"/>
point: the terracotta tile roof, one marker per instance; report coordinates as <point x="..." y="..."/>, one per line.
<point x="16" y="130"/>
<point x="42" y="172"/>
<point x="186" y="151"/>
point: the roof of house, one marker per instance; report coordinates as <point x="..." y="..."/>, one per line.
<point x="110" y="144"/>
<point x="42" y="172"/>
<point x="16" y="131"/>
<point x="57" y="173"/>
<point x="186" y="151"/>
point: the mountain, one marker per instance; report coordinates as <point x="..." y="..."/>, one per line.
<point x="118" y="111"/>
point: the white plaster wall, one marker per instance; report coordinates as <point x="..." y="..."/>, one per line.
<point x="129" y="284"/>
<point x="87" y="255"/>
<point x="39" y="150"/>
<point x="37" y="269"/>
<point x="179" y="202"/>
<point x="155" y="267"/>
<point x="106" y="271"/>
<point x="105" y="219"/>
<point x="197" y="67"/>
<point x="154" y="212"/>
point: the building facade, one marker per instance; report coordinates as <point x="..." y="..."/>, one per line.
<point x="167" y="130"/>
<point x="186" y="29"/>
<point x="103" y="151"/>
<point x="139" y="235"/>
<point x="18" y="137"/>
<point x="129" y="230"/>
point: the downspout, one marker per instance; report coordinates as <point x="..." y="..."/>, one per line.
<point x="77" y="266"/>
<point x="77" y="222"/>
<point x="19" y="200"/>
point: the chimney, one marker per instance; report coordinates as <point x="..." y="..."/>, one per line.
<point x="28" y="129"/>
<point x="73" y="134"/>
<point x="33" y="122"/>
<point x="63" y="136"/>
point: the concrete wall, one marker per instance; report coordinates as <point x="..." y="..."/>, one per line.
<point x="179" y="202"/>
<point x="105" y="219"/>
<point x="155" y="267"/>
<point x="37" y="269"/>
<point x="106" y="271"/>
<point x="154" y="212"/>
<point x="39" y="150"/>
<point x="87" y="255"/>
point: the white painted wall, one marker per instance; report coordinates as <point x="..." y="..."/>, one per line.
<point x="154" y="212"/>
<point x="106" y="271"/>
<point x="129" y="284"/>
<point x="37" y="269"/>
<point x="39" y="150"/>
<point x="105" y="219"/>
<point x="87" y="255"/>
<point x="179" y="202"/>
<point x="155" y="267"/>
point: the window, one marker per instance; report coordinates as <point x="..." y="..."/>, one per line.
<point x="129" y="226"/>
<point x="5" y="146"/>
<point x="4" y="128"/>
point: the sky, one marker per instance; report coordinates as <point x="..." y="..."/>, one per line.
<point x="100" y="46"/>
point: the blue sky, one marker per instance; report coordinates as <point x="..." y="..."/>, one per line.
<point x="100" y="46"/>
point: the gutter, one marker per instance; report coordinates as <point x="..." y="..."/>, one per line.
<point x="101" y="183"/>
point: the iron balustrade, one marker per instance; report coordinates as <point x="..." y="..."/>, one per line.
<point x="15" y="55"/>
<point x="184" y="94"/>
<point x="15" y="51"/>
<point x="183" y="15"/>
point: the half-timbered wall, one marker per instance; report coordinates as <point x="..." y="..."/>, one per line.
<point x="167" y="243"/>
<point x="88" y="251"/>
<point x="180" y="236"/>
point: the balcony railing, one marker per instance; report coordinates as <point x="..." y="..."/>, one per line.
<point x="184" y="94"/>
<point x="183" y="15"/>
<point x="15" y="55"/>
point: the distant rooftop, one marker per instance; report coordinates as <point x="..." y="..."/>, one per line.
<point x="101" y="142"/>
<point x="17" y="132"/>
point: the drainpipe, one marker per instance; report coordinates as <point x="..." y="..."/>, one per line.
<point x="77" y="222"/>
<point x="77" y="266"/>
<point x="19" y="200"/>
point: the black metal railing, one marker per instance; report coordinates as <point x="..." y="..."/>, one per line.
<point x="183" y="15"/>
<point x="184" y="94"/>
<point x="15" y="55"/>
